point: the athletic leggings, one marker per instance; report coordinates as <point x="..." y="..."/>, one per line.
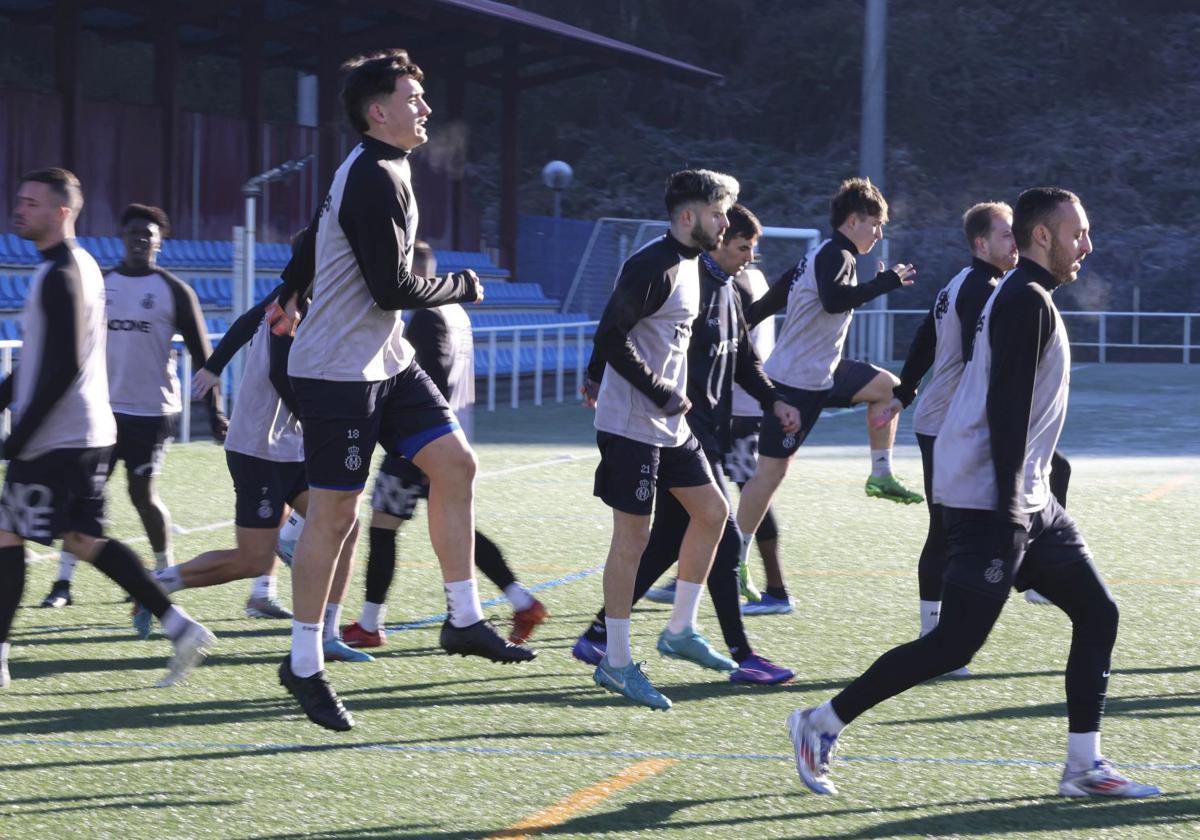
<point x="381" y="563"/>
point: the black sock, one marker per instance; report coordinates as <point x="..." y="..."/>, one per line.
<point x="740" y="654"/>
<point x="381" y="564"/>
<point x="118" y="562"/>
<point x="597" y="631"/>
<point x="779" y="592"/>
<point x="490" y="561"/>
<point x="12" y="585"/>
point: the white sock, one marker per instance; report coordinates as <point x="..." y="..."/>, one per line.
<point x="163" y="559"/>
<point x="308" y="656"/>
<point x="881" y="463"/>
<point x="263" y="586"/>
<point x="747" y="541"/>
<point x="930" y="610"/>
<point x="1083" y="751"/>
<point x="687" y="604"/>
<point x="826" y="719"/>
<point x="66" y="566"/>
<point x="175" y="621"/>
<point x="372" y="616"/>
<point x="518" y="596"/>
<point x="333" y="618"/>
<point x="170" y="579"/>
<point x="619" y="653"/>
<point x="5" y="647"/>
<point x="290" y="532"/>
<point x="462" y="602"/>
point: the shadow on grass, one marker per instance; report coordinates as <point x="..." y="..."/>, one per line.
<point x="1183" y="704"/>
<point x="138" y="801"/>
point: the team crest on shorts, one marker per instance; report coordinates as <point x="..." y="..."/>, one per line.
<point x="995" y="572"/>
<point x="789" y="442"/>
<point x="265" y="511"/>
<point x="643" y="491"/>
<point x="353" y="459"/>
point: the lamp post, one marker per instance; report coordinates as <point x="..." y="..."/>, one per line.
<point x="557" y="175"/>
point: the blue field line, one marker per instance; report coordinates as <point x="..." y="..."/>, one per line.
<point x="550" y="584"/>
<point x="551" y="753"/>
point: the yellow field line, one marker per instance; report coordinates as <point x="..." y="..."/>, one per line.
<point x="583" y="800"/>
<point x="1165" y="488"/>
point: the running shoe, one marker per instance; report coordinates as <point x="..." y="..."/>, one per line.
<point x="889" y="487"/>
<point x="631" y="682"/>
<point x="813" y="751"/>
<point x="266" y="608"/>
<point x="481" y="639"/>
<point x="59" y="595"/>
<point x="142" y="620"/>
<point x="338" y="651"/>
<point x="191" y="646"/>
<point x="770" y="605"/>
<point x="693" y="647"/>
<point x="1102" y="779"/>
<point x="525" y="621"/>
<point x="761" y="671"/>
<point x="356" y="637"/>
<point x="285" y="550"/>
<point x="589" y="652"/>
<point x="749" y="591"/>
<point x="662" y="594"/>
<point x="317" y="697"/>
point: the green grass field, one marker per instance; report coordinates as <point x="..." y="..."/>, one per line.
<point x="456" y="748"/>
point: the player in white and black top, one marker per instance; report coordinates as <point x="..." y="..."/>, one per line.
<point x="356" y="384"/>
<point x="645" y="445"/>
<point x="145" y="307"/>
<point x="63" y="430"/>
<point x="1003" y="525"/>
<point x="445" y="349"/>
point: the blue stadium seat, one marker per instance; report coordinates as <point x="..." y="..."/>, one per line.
<point x="221" y="290"/>
<point x="10" y="329"/>
<point x="263" y="287"/>
<point x="11" y="296"/>
<point x="216" y="326"/>
<point x="111" y="251"/>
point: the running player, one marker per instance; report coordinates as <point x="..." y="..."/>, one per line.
<point x="145" y="307"/>
<point x="63" y="430"/>
<point x="1003" y="526"/>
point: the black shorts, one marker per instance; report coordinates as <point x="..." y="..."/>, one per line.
<point x="262" y="487"/>
<point x="850" y="377"/>
<point x="344" y="420"/>
<point x="142" y="442"/>
<point x="52" y="494"/>
<point x="399" y="485"/>
<point x="987" y="556"/>
<point x="630" y="472"/>
<point x="741" y="461"/>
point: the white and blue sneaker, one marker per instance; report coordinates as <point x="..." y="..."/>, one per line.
<point x="1102" y="779"/>
<point x="813" y="750"/>
<point x="769" y="605"/>
<point x="693" y="647"/>
<point x="631" y="682"/>
<point x="662" y="594"/>
<point x="142" y="620"/>
<point x="338" y="651"/>
<point x="284" y="550"/>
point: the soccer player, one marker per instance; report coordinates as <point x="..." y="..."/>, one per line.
<point x="1004" y="528"/>
<point x="444" y="348"/>
<point x="63" y="430"/>
<point x="356" y="384"/>
<point x="719" y="353"/>
<point x="645" y="445"/>
<point x="807" y="365"/>
<point x="145" y="307"/>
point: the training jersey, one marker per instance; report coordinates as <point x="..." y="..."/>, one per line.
<point x="444" y="347"/>
<point x="363" y="238"/>
<point x="943" y="343"/>
<point x="823" y="291"/>
<point x="995" y="447"/>
<point x="263" y="424"/>
<point x="640" y="347"/>
<point x="144" y="311"/>
<point x="59" y="391"/>
<point x="751" y="285"/>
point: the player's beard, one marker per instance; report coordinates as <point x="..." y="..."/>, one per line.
<point x="1061" y="259"/>
<point x="705" y="240"/>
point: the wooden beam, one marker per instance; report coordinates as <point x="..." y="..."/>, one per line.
<point x="67" y="28"/>
<point x="510" y="161"/>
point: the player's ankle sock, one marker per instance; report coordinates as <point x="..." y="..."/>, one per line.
<point x="5" y="647"/>
<point x="619" y="653"/>
<point x="66" y="566"/>
<point x="333" y="618"/>
<point x="881" y="463"/>
<point x="598" y="630"/>
<point x="740" y="654"/>
<point x="290" y="532"/>
<point x="371" y="616"/>
<point x="518" y="596"/>
<point x="175" y="621"/>
<point x="1083" y="751"/>
<point x="308" y="656"/>
<point x="930" y="610"/>
<point x="687" y="604"/>
<point x="826" y="719"/>
<point x="779" y="592"/>
<point x="747" y="540"/>
<point x="163" y="560"/>
<point x="169" y="579"/>
<point x="263" y="586"/>
<point x="462" y="603"/>
<point x="118" y="562"/>
<point x="12" y="585"/>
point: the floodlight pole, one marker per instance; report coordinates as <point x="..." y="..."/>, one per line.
<point x="872" y="154"/>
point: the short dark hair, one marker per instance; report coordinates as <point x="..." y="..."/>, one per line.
<point x="62" y="182"/>
<point x="1034" y="207"/>
<point x="155" y="215"/>
<point x="857" y="195"/>
<point x="978" y="220"/>
<point x="423" y="252"/>
<point x="742" y="223"/>
<point x="701" y="185"/>
<point x="372" y="75"/>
